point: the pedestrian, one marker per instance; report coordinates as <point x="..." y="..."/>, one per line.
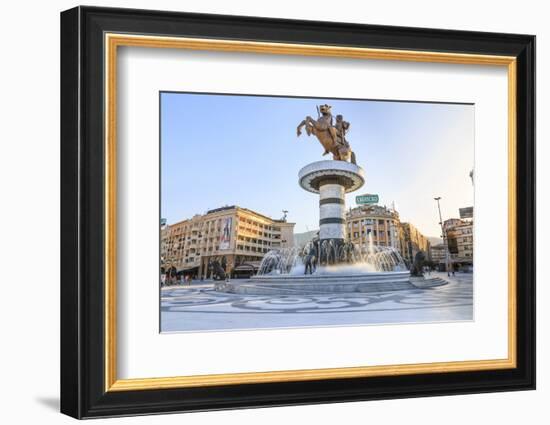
<point x="309" y="266"/>
<point x="451" y="270"/>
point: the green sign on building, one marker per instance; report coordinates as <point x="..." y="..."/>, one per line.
<point x="366" y="199"/>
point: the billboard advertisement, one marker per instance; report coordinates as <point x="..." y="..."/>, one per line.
<point x="467" y="212"/>
<point x="225" y="238"/>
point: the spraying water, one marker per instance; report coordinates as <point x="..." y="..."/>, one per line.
<point x="333" y="256"/>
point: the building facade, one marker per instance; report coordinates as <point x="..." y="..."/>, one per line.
<point x="413" y="242"/>
<point x="460" y="239"/>
<point x="374" y="223"/>
<point x="438" y="254"/>
<point x="382" y="226"/>
<point x="230" y="235"/>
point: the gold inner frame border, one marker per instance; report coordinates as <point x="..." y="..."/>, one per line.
<point x="113" y="40"/>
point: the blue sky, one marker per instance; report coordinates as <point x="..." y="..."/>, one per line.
<point x="229" y="149"/>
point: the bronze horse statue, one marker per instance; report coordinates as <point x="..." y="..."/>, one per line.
<point x="332" y="137"/>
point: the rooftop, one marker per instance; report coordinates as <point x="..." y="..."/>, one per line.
<point x="229" y="208"/>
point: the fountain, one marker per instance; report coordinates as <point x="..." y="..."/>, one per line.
<point x="335" y="264"/>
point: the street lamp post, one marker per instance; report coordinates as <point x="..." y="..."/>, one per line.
<point x="444" y="235"/>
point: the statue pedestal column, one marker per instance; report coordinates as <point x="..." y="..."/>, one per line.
<point x="331" y="180"/>
<point x="332" y="210"/>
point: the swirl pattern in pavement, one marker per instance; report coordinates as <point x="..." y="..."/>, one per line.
<point x="207" y="301"/>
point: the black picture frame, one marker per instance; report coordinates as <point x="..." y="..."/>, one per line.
<point x="83" y="392"/>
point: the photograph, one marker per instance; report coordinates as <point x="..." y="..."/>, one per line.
<point x="296" y="212"/>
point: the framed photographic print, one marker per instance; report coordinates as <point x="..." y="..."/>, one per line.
<point x="261" y="212"/>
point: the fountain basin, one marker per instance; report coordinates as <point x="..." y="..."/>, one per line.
<point x="319" y="284"/>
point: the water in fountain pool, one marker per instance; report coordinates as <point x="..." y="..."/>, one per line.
<point x="333" y="257"/>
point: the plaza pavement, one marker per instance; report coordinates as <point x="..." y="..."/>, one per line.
<point x="199" y="308"/>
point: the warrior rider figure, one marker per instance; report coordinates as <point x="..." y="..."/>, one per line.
<point x="342" y="128"/>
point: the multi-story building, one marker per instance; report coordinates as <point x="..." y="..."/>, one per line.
<point x="374" y="223"/>
<point x="460" y="239"/>
<point x="452" y="222"/>
<point x="382" y="226"/>
<point x="438" y="254"/>
<point x="414" y="241"/>
<point x="230" y="235"/>
<point x="465" y="242"/>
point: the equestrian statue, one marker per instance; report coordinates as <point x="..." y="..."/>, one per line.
<point x="331" y="135"/>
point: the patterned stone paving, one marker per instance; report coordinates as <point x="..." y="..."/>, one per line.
<point x="200" y="308"/>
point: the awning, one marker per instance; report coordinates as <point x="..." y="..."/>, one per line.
<point x="246" y="267"/>
<point x="189" y="270"/>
